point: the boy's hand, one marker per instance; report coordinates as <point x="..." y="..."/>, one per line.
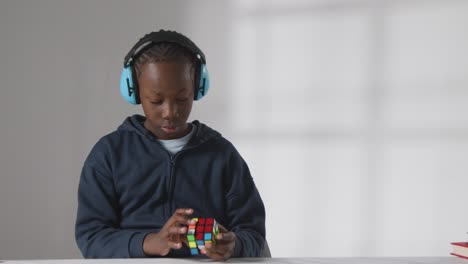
<point x="224" y="248"/>
<point x="169" y="236"/>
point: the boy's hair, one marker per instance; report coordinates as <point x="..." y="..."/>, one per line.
<point x="165" y="52"/>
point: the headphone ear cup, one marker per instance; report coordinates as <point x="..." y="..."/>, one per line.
<point x="204" y="83"/>
<point x="127" y="86"/>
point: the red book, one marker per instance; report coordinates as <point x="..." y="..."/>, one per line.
<point x="460" y="249"/>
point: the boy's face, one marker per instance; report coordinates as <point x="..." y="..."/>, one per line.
<point x="166" y="93"/>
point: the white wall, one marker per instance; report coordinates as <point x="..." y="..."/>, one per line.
<point x="351" y="115"/>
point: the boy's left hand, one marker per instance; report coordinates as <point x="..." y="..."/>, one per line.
<point x="224" y="248"/>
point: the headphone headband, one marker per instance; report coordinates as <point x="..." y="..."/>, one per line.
<point x="162" y="36"/>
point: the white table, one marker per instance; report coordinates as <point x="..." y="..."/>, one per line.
<point x="376" y="260"/>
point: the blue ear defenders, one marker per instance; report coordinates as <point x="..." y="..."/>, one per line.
<point x="128" y="80"/>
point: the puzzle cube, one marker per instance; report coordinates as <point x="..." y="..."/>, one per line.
<point x="203" y="231"/>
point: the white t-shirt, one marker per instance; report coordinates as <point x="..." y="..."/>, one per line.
<point x="175" y="145"/>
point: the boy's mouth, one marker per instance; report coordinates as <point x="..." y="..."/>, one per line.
<point x="169" y="129"/>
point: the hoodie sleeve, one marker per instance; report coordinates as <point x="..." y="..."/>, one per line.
<point x="97" y="228"/>
<point x="245" y="210"/>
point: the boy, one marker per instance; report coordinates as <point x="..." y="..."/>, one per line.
<point x="141" y="184"/>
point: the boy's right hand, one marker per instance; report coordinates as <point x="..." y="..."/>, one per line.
<point x="169" y="236"/>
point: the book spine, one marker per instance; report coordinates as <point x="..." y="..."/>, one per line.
<point x="460" y="256"/>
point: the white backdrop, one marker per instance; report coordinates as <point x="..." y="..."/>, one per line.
<point x="350" y="114"/>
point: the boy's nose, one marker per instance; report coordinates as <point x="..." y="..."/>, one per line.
<point x="169" y="111"/>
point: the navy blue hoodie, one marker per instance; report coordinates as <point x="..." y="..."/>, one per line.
<point x="130" y="186"/>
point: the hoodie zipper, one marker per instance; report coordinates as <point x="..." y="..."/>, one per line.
<point x="169" y="209"/>
<point x="172" y="163"/>
<point x="171" y="183"/>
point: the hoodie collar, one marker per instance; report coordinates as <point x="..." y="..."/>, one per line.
<point x="135" y="123"/>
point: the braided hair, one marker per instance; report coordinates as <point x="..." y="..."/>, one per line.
<point x="165" y="52"/>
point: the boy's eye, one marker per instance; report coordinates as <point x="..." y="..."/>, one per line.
<point x="156" y="102"/>
<point x="182" y="99"/>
